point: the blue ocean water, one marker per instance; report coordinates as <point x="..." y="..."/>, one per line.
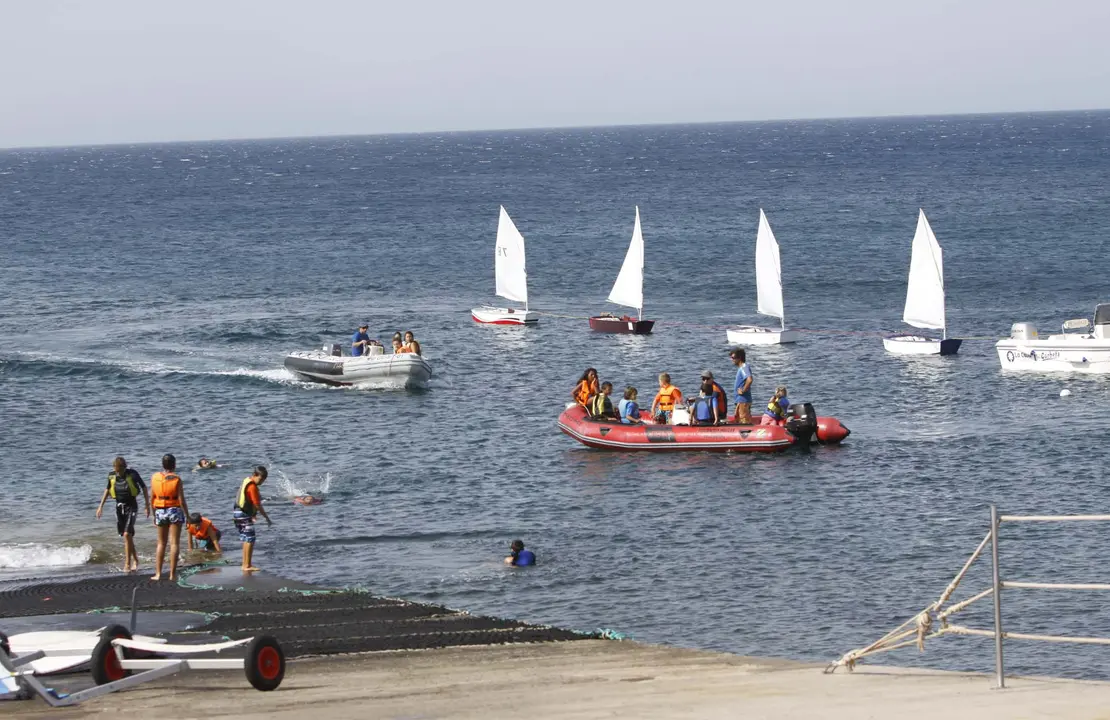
<point x="150" y="292"/>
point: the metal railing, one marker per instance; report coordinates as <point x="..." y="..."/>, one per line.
<point x="934" y="620"/>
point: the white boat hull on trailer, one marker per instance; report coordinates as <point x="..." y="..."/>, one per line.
<point x="920" y="345"/>
<point x="1081" y="352"/>
<point x="504" y="316"/>
<point x="318" y="366"/>
<point x="761" y="336"/>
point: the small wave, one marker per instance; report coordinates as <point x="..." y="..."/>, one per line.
<point x="38" y="555"/>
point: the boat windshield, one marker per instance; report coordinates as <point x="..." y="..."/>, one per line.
<point x="1102" y="314"/>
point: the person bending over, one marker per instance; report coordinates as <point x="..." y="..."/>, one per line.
<point x="204" y="534"/>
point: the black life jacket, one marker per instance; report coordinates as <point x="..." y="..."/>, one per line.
<point x="123" y="489"/>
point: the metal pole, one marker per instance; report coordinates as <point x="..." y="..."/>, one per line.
<point x="134" y="609"/>
<point x="997" y="585"/>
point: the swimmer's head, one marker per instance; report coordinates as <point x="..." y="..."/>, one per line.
<point x="517" y="545"/>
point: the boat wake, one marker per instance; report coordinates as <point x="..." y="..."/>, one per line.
<point x="51" y="365"/>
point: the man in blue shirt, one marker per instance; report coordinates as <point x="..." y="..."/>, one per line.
<point x="360" y="341"/>
<point x="743" y="388"/>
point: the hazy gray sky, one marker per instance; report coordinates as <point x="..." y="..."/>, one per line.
<point x="145" y="70"/>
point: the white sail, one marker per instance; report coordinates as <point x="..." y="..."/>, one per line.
<point x="509" y="270"/>
<point x="768" y="272"/>
<point x="628" y="290"/>
<point x="925" y="291"/>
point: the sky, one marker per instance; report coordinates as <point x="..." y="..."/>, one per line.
<point x="121" y="71"/>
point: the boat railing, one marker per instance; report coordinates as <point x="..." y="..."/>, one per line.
<point x="935" y="620"/>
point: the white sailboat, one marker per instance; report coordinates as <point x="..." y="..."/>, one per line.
<point x="628" y="290"/>
<point x="924" y="298"/>
<point x="768" y="283"/>
<point x="510" y="278"/>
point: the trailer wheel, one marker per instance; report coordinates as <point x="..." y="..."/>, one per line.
<point x="105" y="662"/>
<point x="265" y="663"/>
<point x="4" y="644"/>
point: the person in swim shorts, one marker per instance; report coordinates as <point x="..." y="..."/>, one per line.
<point x="124" y="486"/>
<point x="248" y="504"/>
<point x="170" y="511"/>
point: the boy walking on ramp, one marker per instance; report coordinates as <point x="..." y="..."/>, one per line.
<point x="248" y="504"/>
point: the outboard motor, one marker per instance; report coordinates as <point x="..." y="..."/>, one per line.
<point x="802" y="423"/>
<point x="337" y="350"/>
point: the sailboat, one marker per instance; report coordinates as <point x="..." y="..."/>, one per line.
<point x="628" y="290"/>
<point x="510" y="278"/>
<point x="768" y="283"/>
<point x="924" y="298"/>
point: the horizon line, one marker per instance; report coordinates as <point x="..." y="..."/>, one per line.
<point x="544" y="128"/>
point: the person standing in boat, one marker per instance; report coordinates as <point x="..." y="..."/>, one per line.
<point x="601" y="407"/>
<point x="586" y="388"/>
<point x="720" y="397"/>
<point x="743" y="387"/>
<point x="360" y="341"/>
<point x="628" y="409"/>
<point x="665" y="400"/>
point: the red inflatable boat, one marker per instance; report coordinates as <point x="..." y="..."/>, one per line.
<point x="802" y="429"/>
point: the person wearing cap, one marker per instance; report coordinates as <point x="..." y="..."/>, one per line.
<point x="743" y="387"/>
<point x="719" y="395"/>
<point x="203" y="533"/>
<point x="360" y="341"/>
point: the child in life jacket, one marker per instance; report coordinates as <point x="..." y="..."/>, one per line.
<point x="203" y="533"/>
<point x="777" y="408"/>
<point x="704" y="410"/>
<point x="668" y="396"/>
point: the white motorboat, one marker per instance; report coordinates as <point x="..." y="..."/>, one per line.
<point x="924" y="298"/>
<point x="510" y="278"/>
<point x="1085" y="350"/>
<point x="332" y="367"/>
<point x="768" y="283"/>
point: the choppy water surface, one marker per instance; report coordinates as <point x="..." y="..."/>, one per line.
<point x="149" y="293"/>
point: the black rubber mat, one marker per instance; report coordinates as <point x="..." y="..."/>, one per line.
<point x="326" y="622"/>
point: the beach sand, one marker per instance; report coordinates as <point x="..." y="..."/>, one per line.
<point x="589" y="679"/>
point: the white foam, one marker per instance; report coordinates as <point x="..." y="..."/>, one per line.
<point x="295" y="488"/>
<point x="35" y="555"/>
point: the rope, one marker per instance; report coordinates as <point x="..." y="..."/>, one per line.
<point x="1053" y="518"/>
<point x="811" y="331"/>
<point x="1056" y="586"/>
<point x="960" y="630"/>
<point x="920" y="626"/>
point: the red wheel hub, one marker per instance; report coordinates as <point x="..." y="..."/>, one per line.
<point x="269" y="663"/>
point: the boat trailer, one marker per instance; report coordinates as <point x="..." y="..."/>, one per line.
<point x="117" y="656"/>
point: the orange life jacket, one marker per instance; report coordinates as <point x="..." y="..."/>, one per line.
<point x="200" y="532"/>
<point x="586" y="389"/>
<point x="165" y="486"/>
<point x="667" y="397"/>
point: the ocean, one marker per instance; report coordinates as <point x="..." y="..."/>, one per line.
<point x="149" y="293"/>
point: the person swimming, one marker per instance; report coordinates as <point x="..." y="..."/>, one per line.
<point x="206" y="464"/>
<point x="307" y="500"/>
<point x="518" y="556"/>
